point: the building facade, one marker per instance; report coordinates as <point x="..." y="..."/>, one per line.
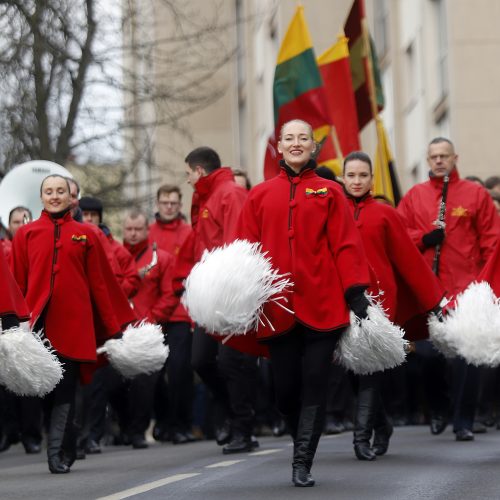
<point x="437" y="60"/>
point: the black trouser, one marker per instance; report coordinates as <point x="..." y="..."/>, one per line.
<point x="23" y="417"/>
<point x="434" y="376"/>
<point x="180" y="376"/>
<point x="231" y="378"/>
<point x="340" y="397"/>
<point x="65" y="391"/>
<point x="240" y="373"/>
<point x="96" y="395"/>
<point x="61" y="401"/>
<point x="204" y="360"/>
<point x="465" y="393"/>
<point x="133" y="401"/>
<point x="301" y="361"/>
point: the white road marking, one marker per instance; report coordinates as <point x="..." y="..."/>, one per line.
<point x="331" y="436"/>
<point x="148" y="486"/>
<point x="226" y="463"/>
<point x="264" y="452"/>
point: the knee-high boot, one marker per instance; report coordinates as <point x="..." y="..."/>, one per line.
<point x="309" y="430"/>
<point x="60" y="421"/>
<point x="383" y="432"/>
<point x="292" y="422"/>
<point x="364" y="421"/>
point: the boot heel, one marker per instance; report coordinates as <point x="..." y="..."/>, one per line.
<point x="57" y="466"/>
<point x="301" y="476"/>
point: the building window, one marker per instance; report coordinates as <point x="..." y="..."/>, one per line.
<point x="381" y="28"/>
<point x="442" y="46"/>
<point x="411" y="86"/>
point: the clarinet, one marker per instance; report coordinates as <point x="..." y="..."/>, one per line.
<point x="154" y="261"/>
<point x="440" y="223"/>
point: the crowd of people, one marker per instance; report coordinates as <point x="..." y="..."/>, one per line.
<point x="337" y="243"/>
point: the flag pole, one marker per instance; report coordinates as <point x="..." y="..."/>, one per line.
<point x="372" y="93"/>
<point x="336" y="144"/>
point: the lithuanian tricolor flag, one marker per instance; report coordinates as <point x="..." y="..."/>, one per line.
<point x="360" y="48"/>
<point x="336" y="74"/>
<point x="298" y="92"/>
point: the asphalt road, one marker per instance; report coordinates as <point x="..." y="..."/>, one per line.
<point x="417" y="466"/>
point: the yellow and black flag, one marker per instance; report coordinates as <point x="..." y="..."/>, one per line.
<point x="385" y="181"/>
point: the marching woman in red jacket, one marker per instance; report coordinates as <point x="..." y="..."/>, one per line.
<point x="13" y="308"/>
<point x="406" y="287"/>
<point x="304" y="224"/>
<point x="64" y="276"/>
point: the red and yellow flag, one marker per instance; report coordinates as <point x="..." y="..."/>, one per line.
<point x="298" y="91"/>
<point x="336" y="74"/>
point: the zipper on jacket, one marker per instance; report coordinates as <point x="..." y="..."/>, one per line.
<point x="356" y="212"/>
<point x="57" y="233"/>
<point x="293" y="188"/>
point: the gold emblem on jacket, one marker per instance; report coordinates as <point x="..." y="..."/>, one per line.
<point x="204" y="213"/>
<point x="459" y="212"/>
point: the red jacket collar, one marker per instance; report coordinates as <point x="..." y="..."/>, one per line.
<point x="168" y="225"/>
<point x="359" y="202"/>
<point x="305" y="173"/>
<point x="209" y="182"/>
<point x="137" y="249"/>
<point x="47" y="217"/>
<point x="439" y="181"/>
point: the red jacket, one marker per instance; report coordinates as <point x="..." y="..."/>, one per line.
<point x="170" y="237"/>
<point x="216" y="207"/>
<point x="7" y="249"/>
<point x="11" y="298"/>
<point x="217" y="203"/>
<point x="305" y="225"/>
<point x="64" y="275"/>
<point x="128" y="278"/>
<point x="409" y="287"/>
<point x="155" y="300"/>
<point x="471" y="227"/>
<point x="491" y="271"/>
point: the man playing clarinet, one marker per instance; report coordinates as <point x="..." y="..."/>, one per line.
<point x="454" y="224"/>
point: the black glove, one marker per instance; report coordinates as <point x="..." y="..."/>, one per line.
<point x="357" y="301"/>
<point x="438" y="312"/>
<point x="433" y="238"/>
<point x="9" y="321"/>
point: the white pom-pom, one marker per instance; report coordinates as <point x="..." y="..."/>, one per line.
<point x="227" y="289"/>
<point x="440" y="337"/>
<point x="141" y="350"/>
<point x="472" y="329"/>
<point x="372" y="344"/>
<point x="28" y="366"/>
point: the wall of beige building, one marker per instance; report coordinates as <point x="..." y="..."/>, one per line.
<point x="438" y="70"/>
<point x="439" y="75"/>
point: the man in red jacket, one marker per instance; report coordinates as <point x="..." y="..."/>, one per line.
<point x="92" y="211"/>
<point x="456" y="250"/>
<point x="154" y="302"/>
<point x="229" y="374"/>
<point x="173" y="401"/>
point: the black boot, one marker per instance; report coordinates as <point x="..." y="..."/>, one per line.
<point x="365" y="418"/>
<point x="60" y="418"/>
<point x="292" y="422"/>
<point x="383" y="432"/>
<point x="240" y="443"/>
<point x="309" y="430"/>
